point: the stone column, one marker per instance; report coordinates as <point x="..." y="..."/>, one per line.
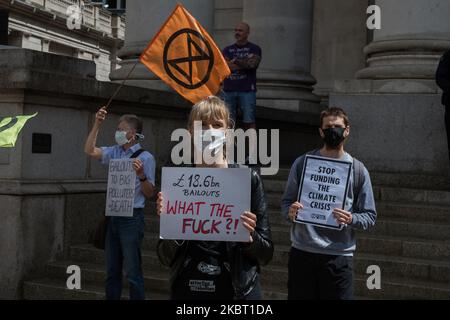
<point x="143" y="20"/>
<point x="284" y="33"/>
<point x="395" y="106"/>
<point x="337" y="42"/>
<point x="413" y="35"/>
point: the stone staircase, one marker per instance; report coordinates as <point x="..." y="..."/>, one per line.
<point x="410" y="244"/>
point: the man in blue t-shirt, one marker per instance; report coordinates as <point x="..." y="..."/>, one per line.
<point x="243" y="58"/>
<point x="124" y="235"/>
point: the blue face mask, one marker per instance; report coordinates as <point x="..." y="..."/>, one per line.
<point x="121" y="138"/>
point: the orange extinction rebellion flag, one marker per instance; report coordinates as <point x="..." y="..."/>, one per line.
<point x="185" y="57"/>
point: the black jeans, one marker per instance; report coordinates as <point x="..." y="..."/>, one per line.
<point x="318" y="276"/>
<point x="447" y="126"/>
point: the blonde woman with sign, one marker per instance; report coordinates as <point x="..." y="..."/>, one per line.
<point x="218" y="269"/>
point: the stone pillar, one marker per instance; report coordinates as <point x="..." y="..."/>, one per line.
<point x="413" y="35"/>
<point x="337" y="50"/>
<point x="395" y="106"/>
<point x="144" y="19"/>
<point x="284" y="33"/>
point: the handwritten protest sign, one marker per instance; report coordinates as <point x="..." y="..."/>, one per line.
<point x="205" y="203"/>
<point x="323" y="187"/>
<point x="121" y="186"/>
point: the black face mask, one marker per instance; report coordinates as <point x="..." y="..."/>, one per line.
<point x="333" y="136"/>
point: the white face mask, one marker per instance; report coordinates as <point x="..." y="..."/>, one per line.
<point x="121" y="138"/>
<point x="211" y="140"/>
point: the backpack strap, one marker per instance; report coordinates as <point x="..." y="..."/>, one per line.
<point x="137" y="153"/>
<point x="301" y="163"/>
<point x="358" y="179"/>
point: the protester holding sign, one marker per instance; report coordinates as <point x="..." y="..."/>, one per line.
<point x="218" y="269"/>
<point x="124" y="233"/>
<point x="204" y="203"/>
<point x="321" y="259"/>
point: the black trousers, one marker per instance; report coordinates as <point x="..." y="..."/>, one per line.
<point x="447" y="126"/>
<point x="318" y="276"/>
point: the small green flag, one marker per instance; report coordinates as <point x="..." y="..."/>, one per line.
<point x="10" y="128"/>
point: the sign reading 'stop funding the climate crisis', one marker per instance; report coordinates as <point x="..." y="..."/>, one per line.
<point x="323" y="187"/>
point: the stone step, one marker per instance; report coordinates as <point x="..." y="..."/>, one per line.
<point x="404" y="247"/>
<point x="425" y="181"/>
<point x="401" y="288"/>
<point x="274" y="186"/>
<point x="393" y="219"/>
<point x="386" y="245"/>
<point x="282" y="174"/>
<point x="55" y="289"/>
<point x="92" y="278"/>
<point x="86" y="253"/>
<point x="402" y="267"/>
<point x="389" y="237"/>
<point x="274" y="192"/>
<point x="277" y="183"/>
<point x="152" y="224"/>
<point x="400" y="245"/>
<point x="49" y="289"/>
<point x="407" y="218"/>
<point x="92" y="273"/>
<point x="417" y="212"/>
<point x="412" y="181"/>
<point x="396" y="210"/>
<point x="391" y="266"/>
<point x="150" y="242"/>
<point x="437" y="197"/>
<point x="408" y="228"/>
<point x="414" y="212"/>
<point x="388" y="227"/>
<point x="274" y="276"/>
<point x="391" y="287"/>
<point x="273" y="200"/>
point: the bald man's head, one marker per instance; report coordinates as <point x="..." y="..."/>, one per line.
<point x="241" y="32"/>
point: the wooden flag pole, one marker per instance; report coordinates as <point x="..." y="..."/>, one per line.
<point x="121" y="85"/>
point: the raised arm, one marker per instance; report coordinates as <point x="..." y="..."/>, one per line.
<point x="90" y="145"/>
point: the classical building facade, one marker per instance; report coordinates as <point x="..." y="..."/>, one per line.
<point x="315" y="53"/>
<point x="322" y="51"/>
<point x="46" y="25"/>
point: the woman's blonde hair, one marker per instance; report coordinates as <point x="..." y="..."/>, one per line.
<point x="209" y="109"/>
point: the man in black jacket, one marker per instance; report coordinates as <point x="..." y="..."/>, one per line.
<point x="443" y="81"/>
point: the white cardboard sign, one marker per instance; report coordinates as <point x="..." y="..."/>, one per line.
<point x="323" y="187"/>
<point x="121" y="188"/>
<point x="205" y="203"/>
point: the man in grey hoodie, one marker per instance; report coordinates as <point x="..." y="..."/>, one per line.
<point x="321" y="259"/>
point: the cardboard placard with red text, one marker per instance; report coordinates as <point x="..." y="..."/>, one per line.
<point x="205" y="203"/>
